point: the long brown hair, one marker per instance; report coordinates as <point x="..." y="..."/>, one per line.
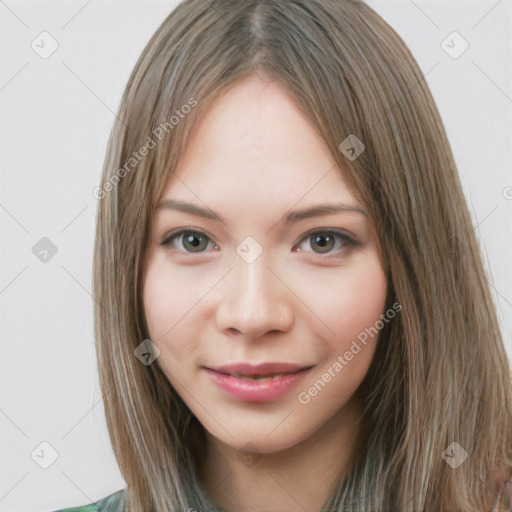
<point x="440" y="374"/>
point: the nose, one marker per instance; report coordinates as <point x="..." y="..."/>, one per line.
<point x="254" y="300"/>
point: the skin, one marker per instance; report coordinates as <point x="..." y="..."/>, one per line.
<point x="253" y="157"/>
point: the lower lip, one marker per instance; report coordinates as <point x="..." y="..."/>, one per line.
<point x="256" y="391"/>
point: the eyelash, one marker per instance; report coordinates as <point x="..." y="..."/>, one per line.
<point x="347" y="240"/>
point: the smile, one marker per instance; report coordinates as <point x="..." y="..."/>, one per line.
<point x="257" y="383"/>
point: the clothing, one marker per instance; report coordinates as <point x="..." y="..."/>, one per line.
<point x="504" y="498"/>
<point x="112" y="502"/>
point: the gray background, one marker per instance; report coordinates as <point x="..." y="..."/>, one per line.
<point x="56" y="115"/>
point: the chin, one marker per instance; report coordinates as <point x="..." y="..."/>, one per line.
<point x="261" y="436"/>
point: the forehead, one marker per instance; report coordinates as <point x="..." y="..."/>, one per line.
<point x="255" y="143"/>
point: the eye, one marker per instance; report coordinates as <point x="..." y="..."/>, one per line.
<point x="190" y="241"/>
<point x="321" y="241"/>
<point x="325" y="241"/>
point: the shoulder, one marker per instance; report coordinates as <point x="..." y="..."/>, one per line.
<point x="503" y="495"/>
<point x="110" y="503"/>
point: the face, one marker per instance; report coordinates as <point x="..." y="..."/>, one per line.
<point x="252" y="284"/>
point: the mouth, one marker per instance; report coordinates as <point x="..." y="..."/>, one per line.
<point x="257" y="382"/>
<point x="256" y="377"/>
<point x="261" y="371"/>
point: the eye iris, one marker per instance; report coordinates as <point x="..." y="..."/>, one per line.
<point x="190" y="237"/>
<point x="325" y="247"/>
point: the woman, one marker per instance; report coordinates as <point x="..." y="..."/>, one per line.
<point x="243" y="366"/>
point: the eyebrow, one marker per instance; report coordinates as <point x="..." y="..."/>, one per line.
<point x="290" y="218"/>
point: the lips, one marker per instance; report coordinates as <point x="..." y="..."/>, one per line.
<point x="256" y="382"/>
<point x="259" y="371"/>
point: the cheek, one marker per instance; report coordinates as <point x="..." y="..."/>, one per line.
<point x="166" y="303"/>
<point x="363" y="301"/>
<point x="351" y="305"/>
<point x="168" y="298"/>
<point x="349" y="301"/>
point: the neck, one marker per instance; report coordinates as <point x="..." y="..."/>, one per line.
<point x="300" y="478"/>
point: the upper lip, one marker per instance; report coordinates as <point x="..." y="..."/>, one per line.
<point x="262" y="369"/>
